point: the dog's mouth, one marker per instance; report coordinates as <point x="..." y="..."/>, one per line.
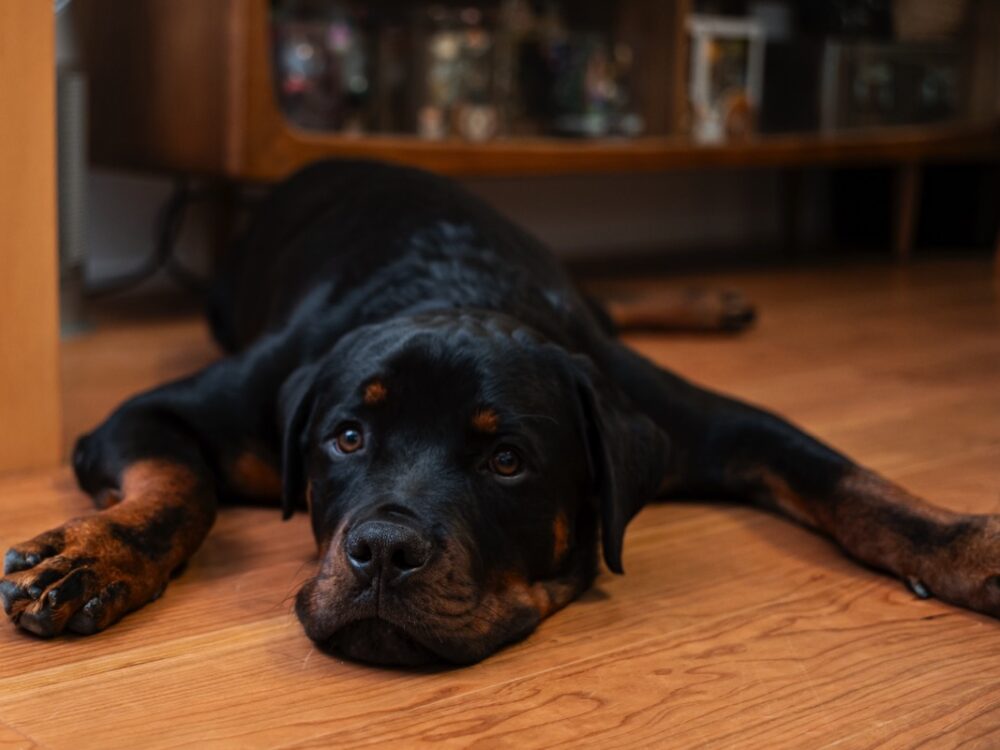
<point x="359" y="629"/>
<point x="376" y="641"/>
<point x="379" y="638"/>
<point x="394" y="636"/>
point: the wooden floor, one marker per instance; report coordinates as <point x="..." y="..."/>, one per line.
<point x="731" y="629"/>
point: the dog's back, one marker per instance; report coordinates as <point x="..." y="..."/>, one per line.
<point x="339" y="227"/>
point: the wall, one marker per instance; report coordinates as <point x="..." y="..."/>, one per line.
<point x="580" y="217"/>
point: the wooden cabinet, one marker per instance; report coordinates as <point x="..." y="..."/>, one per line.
<point x="29" y="321"/>
<point x="186" y="85"/>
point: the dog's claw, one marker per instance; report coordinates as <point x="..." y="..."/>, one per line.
<point x="73" y="586"/>
<point x="917" y="587"/>
<point x="40" y="623"/>
<point x="10" y="592"/>
<point x="85" y="621"/>
<point x="14" y="562"/>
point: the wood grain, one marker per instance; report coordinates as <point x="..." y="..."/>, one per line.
<point x="288" y="149"/>
<point x="29" y="322"/>
<point x="159" y="72"/>
<point x="11" y="739"/>
<point x="732" y="628"/>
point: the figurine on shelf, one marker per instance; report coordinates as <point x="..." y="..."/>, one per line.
<point x="727" y="70"/>
<point x="458" y="87"/>
<point x="590" y="88"/>
<point x="575" y="82"/>
<point x="321" y="69"/>
<point x="452" y="69"/>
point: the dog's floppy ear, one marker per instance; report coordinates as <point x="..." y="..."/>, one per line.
<point x="627" y="454"/>
<point x="295" y="406"/>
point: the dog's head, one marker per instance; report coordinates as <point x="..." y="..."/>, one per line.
<point x="458" y="470"/>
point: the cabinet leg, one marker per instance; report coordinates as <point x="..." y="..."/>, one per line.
<point x="906" y="211"/>
<point x="791" y="211"/>
<point x="996" y="251"/>
<point x="29" y="309"/>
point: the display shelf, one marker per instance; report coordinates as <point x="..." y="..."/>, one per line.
<point x="186" y="86"/>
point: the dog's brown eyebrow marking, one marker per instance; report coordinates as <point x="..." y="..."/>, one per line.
<point x="375" y="393"/>
<point x="560" y="537"/>
<point x="486" y="420"/>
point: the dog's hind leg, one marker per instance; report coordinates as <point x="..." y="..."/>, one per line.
<point x="681" y="310"/>
<point x="729" y="450"/>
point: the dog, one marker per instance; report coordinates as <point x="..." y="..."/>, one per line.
<point x="463" y="427"/>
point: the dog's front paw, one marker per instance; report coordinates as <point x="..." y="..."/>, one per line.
<point x="81" y="577"/>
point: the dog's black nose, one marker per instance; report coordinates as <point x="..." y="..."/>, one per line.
<point x="385" y="550"/>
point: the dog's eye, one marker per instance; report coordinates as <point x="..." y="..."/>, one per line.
<point x="506" y="462"/>
<point x="349" y="438"/>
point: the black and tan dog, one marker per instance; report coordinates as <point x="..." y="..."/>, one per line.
<point x="463" y="427"/>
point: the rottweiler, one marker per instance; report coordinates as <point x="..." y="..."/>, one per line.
<point x="462" y="425"/>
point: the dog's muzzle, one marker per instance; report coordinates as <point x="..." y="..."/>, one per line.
<point x="360" y="604"/>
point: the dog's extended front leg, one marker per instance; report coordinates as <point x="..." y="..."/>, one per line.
<point x="87" y="573"/>
<point x="157" y="467"/>
<point x="727" y="449"/>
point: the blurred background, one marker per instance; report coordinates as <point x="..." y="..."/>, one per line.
<point x="694" y="130"/>
<point x="659" y="136"/>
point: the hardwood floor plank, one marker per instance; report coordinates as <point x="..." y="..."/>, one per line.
<point x="11" y="739"/>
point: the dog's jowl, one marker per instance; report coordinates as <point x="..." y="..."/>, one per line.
<point x="464" y="429"/>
